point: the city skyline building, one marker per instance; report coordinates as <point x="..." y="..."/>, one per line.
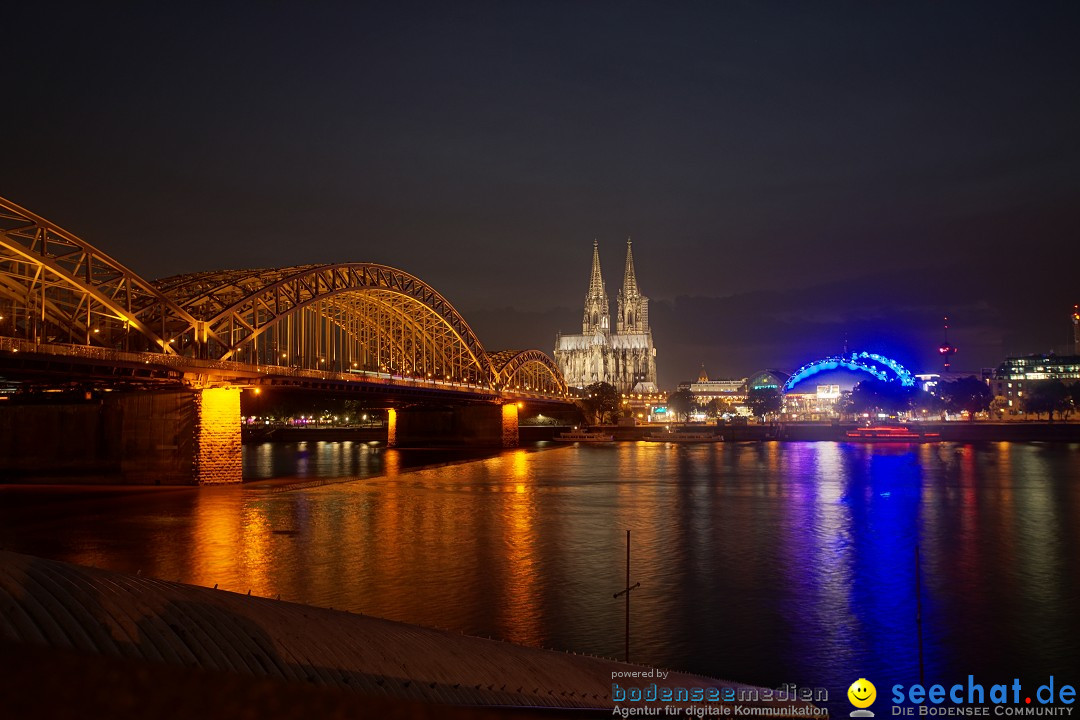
<point x="706" y="389"/>
<point x="1018" y="374"/>
<point x="625" y="357"/>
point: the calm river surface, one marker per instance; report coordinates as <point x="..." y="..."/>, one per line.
<point x="767" y="563"/>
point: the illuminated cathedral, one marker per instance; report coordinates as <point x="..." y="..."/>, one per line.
<point x="625" y="356"/>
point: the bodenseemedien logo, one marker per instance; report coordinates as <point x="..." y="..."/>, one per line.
<point x="862" y="694"/>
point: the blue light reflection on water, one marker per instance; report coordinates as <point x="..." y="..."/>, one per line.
<point x="883" y="588"/>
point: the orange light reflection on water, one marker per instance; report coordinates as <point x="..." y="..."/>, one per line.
<point x="520" y="616"/>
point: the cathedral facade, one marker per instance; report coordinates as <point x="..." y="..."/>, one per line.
<point x="623" y="356"/>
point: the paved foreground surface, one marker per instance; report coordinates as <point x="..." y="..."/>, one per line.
<point x="149" y="638"/>
<point x="51" y="684"/>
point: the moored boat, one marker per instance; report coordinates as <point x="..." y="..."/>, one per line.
<point x="584" y="436"/>
<point x="890" y="433"/>
<point x="686" y="437"/>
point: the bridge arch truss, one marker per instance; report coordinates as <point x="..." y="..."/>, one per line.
<point x="528" y="371"/>
<point x="56" y="288"/>
<point x="348" y="317"/>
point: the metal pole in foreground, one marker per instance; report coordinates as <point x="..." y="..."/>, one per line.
<point x="918" y="613"/>
<point x="626" y="592"/>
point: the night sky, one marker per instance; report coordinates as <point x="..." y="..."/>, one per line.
<point x="791" y="173"/>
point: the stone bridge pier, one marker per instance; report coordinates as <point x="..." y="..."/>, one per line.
<point x="217" y="457"/>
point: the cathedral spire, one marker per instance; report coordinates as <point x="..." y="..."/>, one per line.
<point x="596" y="281"/>
<point x="596" y="318"/>
<point x="629" y="282"/>
<point x="633" y="307"/>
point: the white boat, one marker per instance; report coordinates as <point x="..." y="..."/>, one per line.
<point x="584" y="436"/>
<point x="686" y="437"/>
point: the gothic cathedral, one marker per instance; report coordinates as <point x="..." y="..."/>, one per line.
<point x="624" y="357"/>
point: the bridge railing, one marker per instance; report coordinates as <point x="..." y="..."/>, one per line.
<point x="90" y="352"/>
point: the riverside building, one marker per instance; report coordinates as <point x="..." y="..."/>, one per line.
<point x="1017" y="375"/>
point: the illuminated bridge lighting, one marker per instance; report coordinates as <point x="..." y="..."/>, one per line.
<point x="379" y="321"/>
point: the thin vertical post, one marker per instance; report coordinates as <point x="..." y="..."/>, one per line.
<point x="626" y="591"/>
<point x="628" y="596"/>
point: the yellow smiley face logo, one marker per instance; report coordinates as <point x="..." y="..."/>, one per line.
<point x="862" y="693"/>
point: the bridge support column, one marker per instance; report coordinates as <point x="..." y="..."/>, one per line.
<point x="510" y="425"/>
<point x="391" y="427"/>
<point x="217" y="436"/>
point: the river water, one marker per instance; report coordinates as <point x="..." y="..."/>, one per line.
<point x="767" y="563"/>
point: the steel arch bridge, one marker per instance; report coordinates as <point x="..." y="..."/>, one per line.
<point x="345" y="317"/>
<point x="879" y="366"/>
<point x="528" y="370"/>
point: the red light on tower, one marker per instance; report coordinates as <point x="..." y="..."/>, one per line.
<point x="945" y="349"/>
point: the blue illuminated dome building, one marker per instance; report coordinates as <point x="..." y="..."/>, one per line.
<point x="814" y="390"/>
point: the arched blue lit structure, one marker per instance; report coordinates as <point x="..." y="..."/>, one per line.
<point x="879" y="366"/>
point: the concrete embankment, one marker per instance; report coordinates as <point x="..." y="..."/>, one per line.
<point x="91" y="613"/>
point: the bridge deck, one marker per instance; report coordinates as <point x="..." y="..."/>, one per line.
<point x="68" y="363"/>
